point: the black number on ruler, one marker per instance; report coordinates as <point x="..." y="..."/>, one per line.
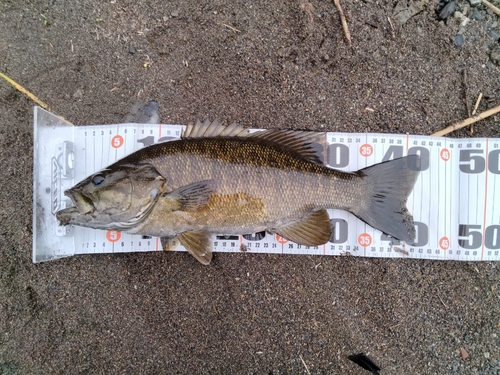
<point x="164" y="139"/>
<point x="255" y="236"/>
<point x="339" y="230"/>
<point x="492" y="237"/>
<point x="227" y="237"/>
<point x="394" y="152"/>
<point x="338" y="155"/>
<point x="147" y="141"/>
<point x="471" y="162"/>
<point x="494" y="162"/>
<point x="421" y="164"/>
<point x="421" y="239"/>
<point x="471" y="238"/>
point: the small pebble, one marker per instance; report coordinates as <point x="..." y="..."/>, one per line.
<point x="495" y="55"/>
<point x="447" y="10"/>
<point x="441" y="5"/>
<point x="175" y="13"/>
<point x="464" y="354"/>
<point x="78" y="94"/>
<point x="486" y="355"/>
<point x="474" y="3"/>
<point x="131" y="50"/>
<point x="494" y="34"/>
<point x="477" y="15"/>
<point x="458" y="40"/>
<point x="465" y="9"/>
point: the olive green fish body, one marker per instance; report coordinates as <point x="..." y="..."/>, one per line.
<point x="221" y="180"/>
<point x="276" y="187"/>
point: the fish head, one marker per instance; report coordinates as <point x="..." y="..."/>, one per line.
<point x="118" y="197"/>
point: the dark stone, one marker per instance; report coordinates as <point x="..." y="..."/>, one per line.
<point x="447" y="10"/>
<point x="477" y="15"/>
<point x="494" y="34"/>
<point x="441" y="5"/>
<point x="458" y="40"/>
<point x="132" y="50"/>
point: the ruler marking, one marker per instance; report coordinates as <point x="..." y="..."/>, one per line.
<point x="485" y="197"/>
<point x="467" y="202"/>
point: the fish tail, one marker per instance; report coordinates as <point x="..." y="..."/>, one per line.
<point x="388" y="186"/>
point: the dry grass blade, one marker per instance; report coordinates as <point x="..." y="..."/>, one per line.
<point x="304" y="363"/>
<point x="491" y="6"/>
<point x="343" y="20"/>
<point x="24" y="91"/>
<point x="469" y="121"/>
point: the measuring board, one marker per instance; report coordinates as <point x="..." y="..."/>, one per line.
<point x="455" y="202"/>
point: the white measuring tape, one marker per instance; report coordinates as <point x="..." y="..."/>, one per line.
<point x="455" y="202"/>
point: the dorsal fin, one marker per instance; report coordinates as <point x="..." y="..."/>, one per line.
<point x="213" y="129"/>
<point x="299" y="142"/>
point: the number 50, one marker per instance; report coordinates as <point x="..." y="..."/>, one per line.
<point x="470" y="238"/>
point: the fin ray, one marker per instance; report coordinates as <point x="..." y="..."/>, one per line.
<point x="213" y="129"/>
<point x="198" y="244"/>
<point x="300" y="143"/>
<point x="192" y="196"/>
<point x="313" y="230"/>
<point x="388" y="186"/>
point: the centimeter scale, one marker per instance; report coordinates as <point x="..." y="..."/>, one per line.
<point x="455" y="202"/>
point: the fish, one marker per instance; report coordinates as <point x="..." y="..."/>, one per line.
<point x="220" y="179"/>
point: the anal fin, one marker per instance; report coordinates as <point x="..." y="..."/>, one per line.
<point x="313" y="230"/>
<point x="198" y="244"/>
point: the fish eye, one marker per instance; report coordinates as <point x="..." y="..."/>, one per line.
<point x="98" y="179"/>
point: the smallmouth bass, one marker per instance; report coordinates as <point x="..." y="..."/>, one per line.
<point x="223" y="180"/>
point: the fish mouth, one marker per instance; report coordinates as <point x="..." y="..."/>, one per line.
<point x="83" y="203"/>
<point x="83" y="207"/>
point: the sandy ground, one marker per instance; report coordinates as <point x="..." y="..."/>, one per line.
<point x="269" y="64"/>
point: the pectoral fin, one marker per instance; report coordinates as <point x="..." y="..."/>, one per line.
<point x="169" y="243"/>
<point x="198" y="244"/>
<point x="313" y="230"/>
<point x="192" y="196"/>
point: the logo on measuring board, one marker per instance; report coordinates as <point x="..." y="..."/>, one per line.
<point x="55" y="186"/>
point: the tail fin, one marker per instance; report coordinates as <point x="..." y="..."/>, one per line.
<point x="388" y="185"/>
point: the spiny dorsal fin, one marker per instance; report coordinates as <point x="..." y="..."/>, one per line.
<point x="313" y="230"/>
<point x="301" y="143"/>
<point x="213" y="129"/>
<point x="198" y="244"/>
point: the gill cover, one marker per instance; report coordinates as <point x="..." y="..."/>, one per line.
<point x="118" y="197"/>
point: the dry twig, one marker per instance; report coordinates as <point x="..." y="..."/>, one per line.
<point x="477" y="103"/>
<point x="392" y="27"/>
<point x="24" y="91"/>
<point x="309" y="9"/>
<point x="343" y="20"/>
<point x="491" y="6"/>
<point x="469" y="121"/>
<point x="307" y="368"/>
<point x="230" y="27"/>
